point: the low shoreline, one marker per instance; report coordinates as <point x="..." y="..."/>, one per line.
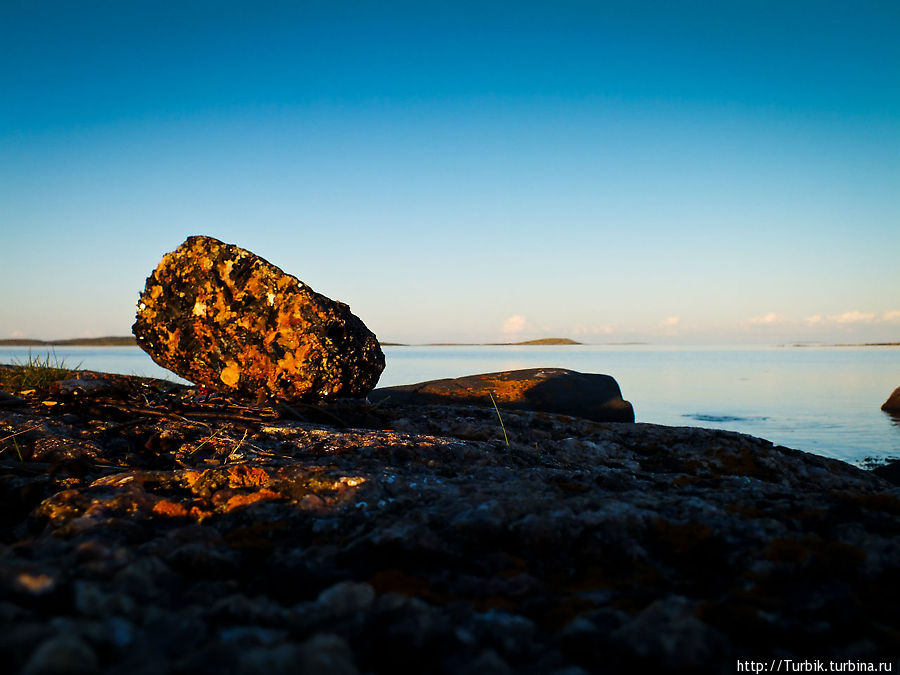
<point x="128" y="340"/>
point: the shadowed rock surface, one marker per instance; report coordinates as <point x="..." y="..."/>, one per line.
<point x="149" y="527"/>
<point x="556" y="390"/>
<point x="893" y="402"/>
<point x="220" y="316"/>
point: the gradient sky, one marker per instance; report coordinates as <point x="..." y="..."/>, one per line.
<point x="674" y="172"/>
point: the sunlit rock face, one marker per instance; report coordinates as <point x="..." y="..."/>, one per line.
<point x="220" y="316"/>
<point x="555" y="390"/>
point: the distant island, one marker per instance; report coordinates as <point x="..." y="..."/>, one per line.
<point x="541" y="341"/>
<point x="844" y="344"/>
<point x="108" y="341"/>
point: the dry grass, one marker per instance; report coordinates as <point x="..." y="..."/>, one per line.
<point x="35" y="373"/>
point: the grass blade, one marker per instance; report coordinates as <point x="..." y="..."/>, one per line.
<point x="502" y="426"/>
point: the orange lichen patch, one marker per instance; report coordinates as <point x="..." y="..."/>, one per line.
<point x="251" y="498"/>
<point x="35" y="583"/>
<point x="198" y="514"/>
<point x="191" y="477"/>
<point x="503" y="389"/>
<point x="242" y="475"/>
<point x="224" y="268"/>
<point x="231" y="374"/>
<point x="221" y="308"/>
<point x="290" y="362"/>
<point x="63" y="506"/>
<point x="221" y="496"/>
<point x="130" y="501"/>
<point x="164" y="507"/>
<point x="287" y="340"/>
<point x="254" y="284"/>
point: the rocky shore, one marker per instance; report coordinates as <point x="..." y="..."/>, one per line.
<point x="148" y="527"/>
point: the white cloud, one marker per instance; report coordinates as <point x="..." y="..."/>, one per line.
<point x="581" y="329"/>
<point x="514" y="324"/>
<point x="892" y="315"/>
<point x="815" y="320"/>
<point x="670" y="324"/>
<point x="854" y="316"/>
<point x="766" y="319"/>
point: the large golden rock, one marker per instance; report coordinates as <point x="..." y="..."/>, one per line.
<point x="220" y="316"/>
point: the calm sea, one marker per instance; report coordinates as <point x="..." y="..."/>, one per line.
<point x="821" y="399"/>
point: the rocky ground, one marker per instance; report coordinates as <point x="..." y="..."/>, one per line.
<point x="148" y="527"/>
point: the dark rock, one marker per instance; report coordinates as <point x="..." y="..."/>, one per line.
<point x="79" y="387"/>
<point x="222" y="317"/>
<point x="890" y="471"/>
<point x="423" y="543"/>
<point x="9" y="400"/>
<point x="893" y="402"/>
<point x="554" y="390"/>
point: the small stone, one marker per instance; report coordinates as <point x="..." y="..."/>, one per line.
<point x="893" y="402"/>
<point x="10" y="401"/>
<point x="61" y="654"/>
<point x="346" y="597"/>
<point x="91" y="600"/>
<point x="669" y="632"/>
<point x="554" y="390"/>
<point x="488" y="662"/>
<point x="224" y="318"/>
<point x="326" y="654"/>
<point x="79" y="387"/>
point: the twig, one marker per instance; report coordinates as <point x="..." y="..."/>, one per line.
<point x="237" y="447"/>
<point x="208" y="439"/>
<point x="19" y="433"/>
<point x="188" y="415"/>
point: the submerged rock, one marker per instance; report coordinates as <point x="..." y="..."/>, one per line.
<point x="220" y="316"/>
<point x="554" y="390"/>
<point x="893" y="402"/>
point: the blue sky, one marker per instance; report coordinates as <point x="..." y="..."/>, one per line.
<point x="673" y="172"/>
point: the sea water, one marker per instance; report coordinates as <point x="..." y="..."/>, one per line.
<point x="824" y="400"/>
